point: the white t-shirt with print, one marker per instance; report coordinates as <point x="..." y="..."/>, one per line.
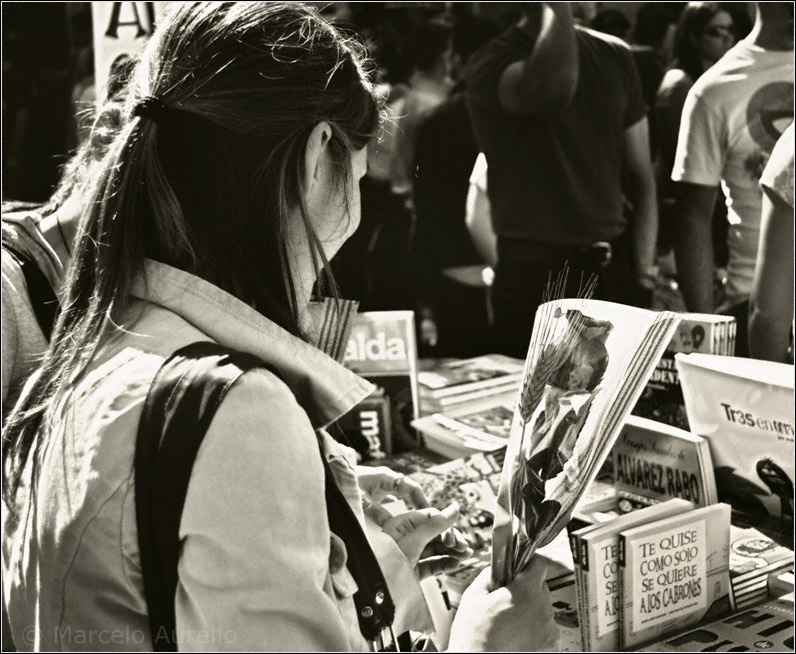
<point x="732" y="118"/>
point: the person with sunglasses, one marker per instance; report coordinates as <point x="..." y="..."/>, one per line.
<point x="705" y="31"/>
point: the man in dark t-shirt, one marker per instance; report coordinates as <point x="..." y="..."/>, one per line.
<point x="558" y="111"/>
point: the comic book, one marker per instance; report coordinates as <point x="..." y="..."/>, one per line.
<point x="587" y="363"/>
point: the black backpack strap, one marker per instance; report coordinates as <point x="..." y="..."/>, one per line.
<point x="42" y="295"/>
<point x="181" y="403"/>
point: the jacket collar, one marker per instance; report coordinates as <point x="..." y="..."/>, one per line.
<point x="324" y="388"/>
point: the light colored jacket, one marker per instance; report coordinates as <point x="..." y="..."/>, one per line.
<point x="259" y="567"/>
<point x="23" y="342"/>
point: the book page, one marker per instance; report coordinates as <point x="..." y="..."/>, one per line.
<point x="587" y="363"/>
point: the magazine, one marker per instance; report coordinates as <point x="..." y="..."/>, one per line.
<point x="468" y="375"/>
<point x="381" y="348"/>
<point x="745" y="409"/>
<point x="587" y="363"/>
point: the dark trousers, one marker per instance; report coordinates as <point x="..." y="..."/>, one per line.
<point x="526" y="268"/>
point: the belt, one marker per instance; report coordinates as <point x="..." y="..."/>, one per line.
<point x="598" y="253"/>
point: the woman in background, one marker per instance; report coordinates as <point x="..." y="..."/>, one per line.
<point x="213" y="218"/>
<point x="704" y="33"/>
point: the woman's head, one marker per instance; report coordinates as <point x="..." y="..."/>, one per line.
<point x="243" y="87"/>
<point x="246" y="139"/>
<point x="704" y="33"/>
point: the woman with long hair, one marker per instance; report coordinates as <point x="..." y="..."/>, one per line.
<point x="213" y="218"/>
<point x="705" y="31"/>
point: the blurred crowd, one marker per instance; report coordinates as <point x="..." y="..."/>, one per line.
<point x="520" y="137"/>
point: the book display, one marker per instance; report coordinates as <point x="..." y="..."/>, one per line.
<point x="652" y="562"/>
<point x="662" y="398"/>
<point x="595" y="552"/>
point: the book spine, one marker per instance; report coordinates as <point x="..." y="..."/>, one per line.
<point x="622" y="603"/>
<point x="460" y="389"/>
<point x="708" y="473"/>
<point x="588" y="640"/>
<point x="581" y="604"/>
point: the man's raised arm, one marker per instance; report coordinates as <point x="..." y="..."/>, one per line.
<point x="549" y="75"/>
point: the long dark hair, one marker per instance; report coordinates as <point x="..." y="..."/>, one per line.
<point x="693" y="20"/>
<point x="206" y="183"/>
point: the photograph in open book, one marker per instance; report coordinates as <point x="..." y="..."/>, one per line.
<point x="587" y="363"/>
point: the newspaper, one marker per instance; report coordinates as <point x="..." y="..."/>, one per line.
<point x="587" y="364"/>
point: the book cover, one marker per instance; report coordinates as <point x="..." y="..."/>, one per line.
<point x="767" y="627"/>
<point x="745" y="409"/>
<point x="659" y="462"/>
<point x="368" y="427"/>
<point x="469" y="375"/>
<point x="565" y="614"/>
<point x="587" y="363"/>
<point x="452" y="444"/>
<point x="471" y="399"/>
<point x="753" y="554"/>
<point x="674" y="572"/>
<point x="597" y="551"/>
<point x="662" y="398"/>
<point x="382" y="348"/>
<point x="491" y="423"/>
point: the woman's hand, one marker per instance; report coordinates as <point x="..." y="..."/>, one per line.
<point x="515" y="618"/>
<point x="380" y="483"/>
<point x="429" y="540"/>
<point x="426" y="536"/>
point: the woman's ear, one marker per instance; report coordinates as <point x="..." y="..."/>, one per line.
<point x="316" y="159"/>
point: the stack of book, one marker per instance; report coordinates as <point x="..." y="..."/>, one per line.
<point x="465" y="382"/>
<point x="662" y="399"/>
<point x="466" y="430"/>
<point x="651" y="572"/>
<point x="753" y="559"/>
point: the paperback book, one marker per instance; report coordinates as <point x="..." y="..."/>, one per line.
<point x="595" y="551"/>
<point x="768" y="627"/>
<point x="382" y="349"/>
<point x="466" y="430"/>
<point x="658" y="462"/>
<point x="472" y="399"/>
<point x="674" y="573"/>
<point x="745" y="409"/>
<point x="587" y="363"/>
<point x="754" y="559"/>
<point x="662" y="398"/>
<point x="461" y="376"/>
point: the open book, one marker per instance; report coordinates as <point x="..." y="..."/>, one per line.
<point x="587" y="363"/>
